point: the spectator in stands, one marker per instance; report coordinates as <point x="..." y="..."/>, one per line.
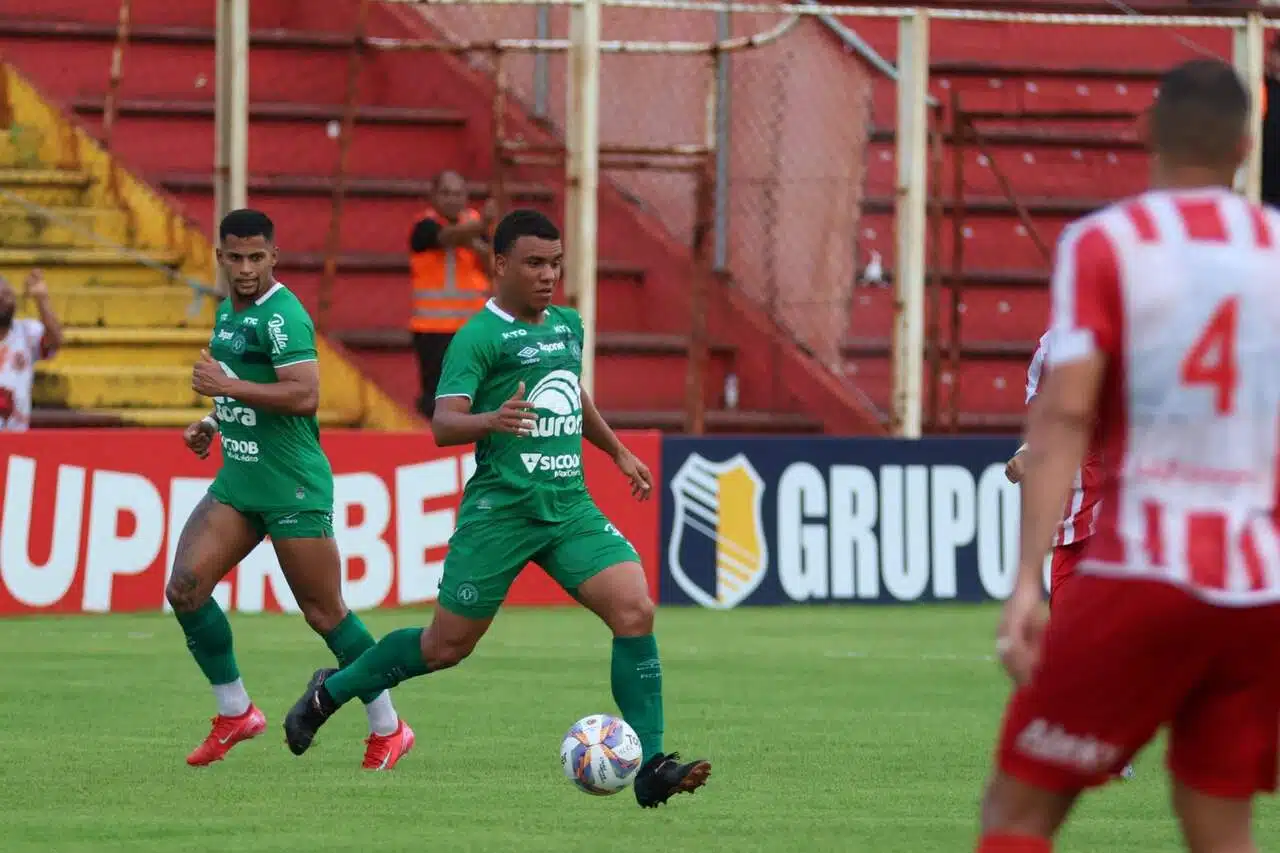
<point x="23" y="343"/>
<point x="1271" y="125"/>
<point x="450" y="266"/>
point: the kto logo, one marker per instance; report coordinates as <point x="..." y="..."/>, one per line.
<point x="718" y="522"/>
<point x="515" y="333"/>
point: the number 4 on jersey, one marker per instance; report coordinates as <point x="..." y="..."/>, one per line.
<point x="1212" y="358"/>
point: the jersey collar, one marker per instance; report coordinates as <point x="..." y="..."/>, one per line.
<point x="492" y="305"/>
<point x="270" y="292"/>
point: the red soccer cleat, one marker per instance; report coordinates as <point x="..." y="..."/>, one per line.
<point x="383" y="751"/>
<point x="226" y="733"/>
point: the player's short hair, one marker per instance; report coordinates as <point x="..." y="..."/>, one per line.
<point x="245" y="223"/>
<point x="522" y="223"/>
<point x="1201" y="115"/>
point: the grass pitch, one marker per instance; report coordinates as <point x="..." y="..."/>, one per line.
<point x="830" y="729"/>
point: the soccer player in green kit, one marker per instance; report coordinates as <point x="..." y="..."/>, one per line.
<point x="510" y="384"/>
<point x="260" y="369"/>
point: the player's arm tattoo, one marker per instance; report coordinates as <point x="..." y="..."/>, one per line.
<point x="183" y="589"/>
<point x="595" y="430"/>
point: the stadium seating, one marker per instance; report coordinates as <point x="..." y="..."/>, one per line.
<point x="1094" y="82"/>
<point x="424" y="112"/>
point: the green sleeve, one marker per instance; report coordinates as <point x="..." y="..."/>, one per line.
<point x="466" y="362"/>
<point x="291" y="336"/>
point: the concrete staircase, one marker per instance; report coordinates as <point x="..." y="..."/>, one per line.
<point x="119" y="265"/>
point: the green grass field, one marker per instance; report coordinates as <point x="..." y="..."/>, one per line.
<point x="852" y="729"/>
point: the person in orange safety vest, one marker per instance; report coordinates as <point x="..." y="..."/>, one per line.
<point x="449" y="266"/>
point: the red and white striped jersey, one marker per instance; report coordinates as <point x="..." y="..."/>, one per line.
<point x="1080" y="514"/>
<point x="20" y="348"/>
<point x="1180" y="290"/>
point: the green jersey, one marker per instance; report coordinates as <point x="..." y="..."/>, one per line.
<point x="270" y="461"/>
<point x="536" y="476"/>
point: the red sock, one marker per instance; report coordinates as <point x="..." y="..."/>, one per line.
<point x="1000" y="843"/>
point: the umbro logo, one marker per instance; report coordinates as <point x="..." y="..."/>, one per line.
<point x="528" y="355"/>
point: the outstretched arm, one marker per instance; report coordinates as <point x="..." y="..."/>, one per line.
<point x="454" y="423"/>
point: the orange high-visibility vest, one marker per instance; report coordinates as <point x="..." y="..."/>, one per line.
<point x="449" y="285"/>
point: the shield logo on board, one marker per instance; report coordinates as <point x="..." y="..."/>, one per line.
<point x="716" y="551"/>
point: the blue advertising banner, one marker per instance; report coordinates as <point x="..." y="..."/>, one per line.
<point x="766" y="521"/>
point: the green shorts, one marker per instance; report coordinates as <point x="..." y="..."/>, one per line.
<point x="285" y="524"/>
<point x="487" y="554"/>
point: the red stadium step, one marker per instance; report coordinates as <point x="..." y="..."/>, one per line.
<point x="178" y="63"/>
<point x="382" y="297"/>
<point x="988" y="313"/>
<point x="620" y="358"/>
<point x="648" y="371"/>
<point x="332" y="15"/>
<point x="1058" y="45"/>
<point x="296" y="138"/>
<point x="377" y="214"/>
<point x="1037" y="163"/>
<point x="988" y="241"/>
<point x="985" y="387"/>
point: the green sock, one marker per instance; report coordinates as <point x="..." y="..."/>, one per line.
<point x="209" y="639"/>
<point x="347" y="642"/>
<point x="395" y="658"/>
<point x="636" y="675"/>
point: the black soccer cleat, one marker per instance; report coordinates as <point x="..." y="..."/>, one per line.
<point x="664" y="775"/>
<point x="307" y="715"/>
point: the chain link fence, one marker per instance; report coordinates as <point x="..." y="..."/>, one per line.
<point x="789" y="113"/>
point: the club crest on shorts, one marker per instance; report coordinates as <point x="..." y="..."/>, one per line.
<point x="716" y="550"/>
<point x="467" y="593"/>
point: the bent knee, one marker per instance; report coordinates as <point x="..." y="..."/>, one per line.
<point x="184" y="592"/>
<point x="632" y="617"/>
<point x="443" y="655"/>
<point x="442" y="652"/>
<point x="323" y="618"/>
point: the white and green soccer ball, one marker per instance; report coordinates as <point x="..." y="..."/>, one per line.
<point x="601" y="754"/>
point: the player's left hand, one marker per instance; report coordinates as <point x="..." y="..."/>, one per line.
<point x="35" y="286"/>
<point x="1021" y="633"/>
<point x="207" y="377"/>
<point x="637" y="472"/>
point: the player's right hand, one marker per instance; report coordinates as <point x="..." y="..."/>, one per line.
<point x="199" y="438"/>
<point x="1016" y="468"/>
<point x="514" y="416"/>
<point x="1020" y="637"/>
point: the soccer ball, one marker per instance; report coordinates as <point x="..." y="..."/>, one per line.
<point x="600" y="754"/>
